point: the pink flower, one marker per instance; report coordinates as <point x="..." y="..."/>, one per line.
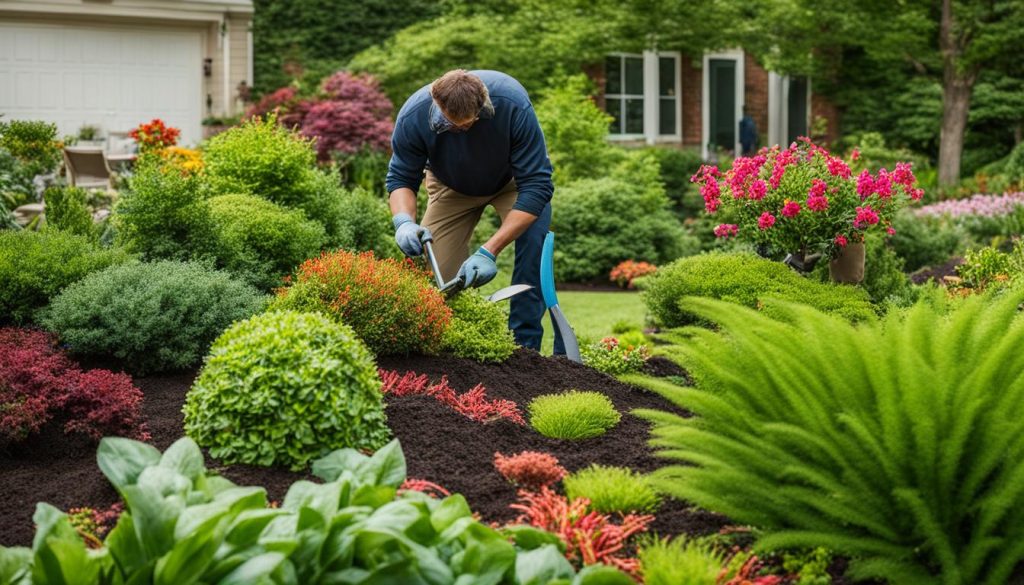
<point x="726" y="229"/>
<point x="841" y="241"/>
<point x="757" y="190"/>
<point x="817" y="188"/>
<point x="711" y="205"/>
<point x="855" y="155"/>
<point x="916" y="194"/>
<point x="903" y="175"/>
<point x="817" y="203"/>
<point x="865" y="184"/>
<point x="865" y="217"/>
<point x="791" y="209"/>
<point x="838" y="168"/>
<point x="766" y="221"/>
<point x="704" y="173"/>
<point x="710" y="190"/>
<point x="883" y="184"/>
<point x="889" y="230"/>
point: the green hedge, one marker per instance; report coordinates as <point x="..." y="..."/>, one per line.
<point x="478" y="329"/>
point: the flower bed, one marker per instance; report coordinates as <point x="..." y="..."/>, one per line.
<point x="976" y="205"/>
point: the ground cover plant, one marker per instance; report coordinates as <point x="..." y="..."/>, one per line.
<point x="35" y="266"/>
<point x="39" y="383"/>
<point x="478" y="329"/>
<point x="153" y="316"/>
<point x="612" y="357"/>
<point x="472" y="404"/>
<point x="679" y="561"/>
<point x="283" y="388"/>
<point x="745" y="279"/>
<point x="573" y="415"/>
<point x="895" y="458"/>
<point x="529" y="469"/>
<point x="612" y="489"/>
<point x="389" y="304"/>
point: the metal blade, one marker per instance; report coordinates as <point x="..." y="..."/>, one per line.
<point x="508" y="292"/>
<point x="572" y="347"/>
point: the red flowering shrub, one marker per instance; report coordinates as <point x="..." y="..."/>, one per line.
<point x="589" y="537"/>
<point x="388" y="303"/>
<point x="155" y="135"/>
<point x="37" y="381"/>
<point x="472" y="404"/>
<point x="624" y="273"/>
<point x="529" y="469"/>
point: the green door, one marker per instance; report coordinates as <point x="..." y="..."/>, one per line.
<point x="796" y="109"/>
<point x="722" y="106"/>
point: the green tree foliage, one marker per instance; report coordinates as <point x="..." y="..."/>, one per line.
<point x="575" y="130"/>
<point x="887" y="442"/>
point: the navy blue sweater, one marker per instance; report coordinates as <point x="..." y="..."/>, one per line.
<point x="484" y="159"/>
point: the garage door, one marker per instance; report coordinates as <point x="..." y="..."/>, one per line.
<point x="113" y="78"/>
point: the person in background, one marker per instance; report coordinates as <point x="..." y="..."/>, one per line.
<point x="748" y="133"/>
<point x="477" y="138"/>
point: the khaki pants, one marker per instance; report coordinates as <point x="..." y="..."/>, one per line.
<point x="451" y="218"/>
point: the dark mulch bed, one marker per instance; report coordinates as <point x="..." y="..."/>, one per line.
<point x="948" y="268"/>
<point x="440" y="445"/>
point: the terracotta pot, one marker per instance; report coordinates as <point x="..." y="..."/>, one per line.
<point x="848" y="267"/>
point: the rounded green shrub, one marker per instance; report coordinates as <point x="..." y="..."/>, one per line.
<point x="612" y="489"/>
<point x="68" y="211"/>
<point x="355" y="220"/>
<point x="283" y="388"/>
<point x="573" y="415"/>
<point x="925" y="241"/>
<point x="680" y="561"/>
<point x="154" y="316"/>
<point x="35" y="266"/>
<point x="478" y="329"/>
<point x="259" y="241"/>
<point x="747" y="280"/>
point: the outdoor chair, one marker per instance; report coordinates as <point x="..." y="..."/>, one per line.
<point x="87" y="168"/>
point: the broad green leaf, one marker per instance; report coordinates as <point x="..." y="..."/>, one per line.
<point x="164" y="481"/>
<point x="322" y="498"/>
<point x="51" y="522"/>
<point x="330" y="466"/>
<point x="15" y="564"/>
<point x="254" y="570"/>
<point x="373" y="496"/>
<point x="387" y="465"/>
<point x="451" y="509"/>
<point x="184" y="457"/>
<point x="192" y="554"/>
<point x="122" y="460"/>
<point x="528" y="537"/>
<point x="602" y="575"/>
<point x="406" y="517"/>
<point x="62" y="561"/>
<point x="124" y="545"/>
<point x="541" y="565"/>
<point x="154" y="518"/>
<point x="246" y="528"/>
<point x="486" y="559"/>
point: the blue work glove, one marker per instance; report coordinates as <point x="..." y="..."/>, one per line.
<point x="409" y="235"/>
<point x="478" y="269"/>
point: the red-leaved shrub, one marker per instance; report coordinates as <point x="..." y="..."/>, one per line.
<point x="37" y="381"/>
<point x="529" y="469"/>
<point x="589" y="537"/>
<point x="390" y="304"/>
<point x="472" y="404"/>
<point x="291" y="109"/>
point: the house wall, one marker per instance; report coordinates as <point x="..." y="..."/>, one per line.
<point x="756" y="89"/>
<point x="690" y="100"/>
<point x="823" y="107"/>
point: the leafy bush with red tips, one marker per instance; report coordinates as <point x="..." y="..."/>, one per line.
<point x="473" y="404"/>
<point x="529" y="469"/>
<point x="105" y="403"/>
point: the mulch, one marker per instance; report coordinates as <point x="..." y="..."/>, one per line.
<point x="947" y="268"/>
<point x="440" y="445"/>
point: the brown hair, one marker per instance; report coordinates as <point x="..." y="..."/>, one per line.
<point x="460" y="94"/>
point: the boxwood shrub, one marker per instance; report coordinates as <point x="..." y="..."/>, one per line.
<point x="283" y="388"/>
<point x="35" y="266"/>
<point x="261" y="242"/>
<point x="154" y="316"/>
<point x="478" y="329"/>
<point x="747" y="280"/>
<point x="573" y="415"/>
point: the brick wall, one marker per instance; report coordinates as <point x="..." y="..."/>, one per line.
<point x="690" y="100"/>
<point x="823" y="107"/>
<point x="596" y="74"/>
<point x="755" y="89"/>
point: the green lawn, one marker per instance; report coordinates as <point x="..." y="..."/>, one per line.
<point x="591" y="314"/>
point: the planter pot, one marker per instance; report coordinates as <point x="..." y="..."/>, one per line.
<point x="848" y="267"/>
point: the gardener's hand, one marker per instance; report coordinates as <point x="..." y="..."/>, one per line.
<point x="478" y="270"/>
<point x="409" y="235"/>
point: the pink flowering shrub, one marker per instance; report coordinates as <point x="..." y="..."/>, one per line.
<point x="804" y="200"/>
<point x="978" y="205"/>
<point x="529" y="469"/>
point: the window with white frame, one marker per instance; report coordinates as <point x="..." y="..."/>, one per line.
<point x="642" y="95"/>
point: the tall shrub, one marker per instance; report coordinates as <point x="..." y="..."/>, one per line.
<point x="896" y="443"/>
<point x="576" y="131"/>
<point x="67" y="211"/>
<point x="353" y="114"/>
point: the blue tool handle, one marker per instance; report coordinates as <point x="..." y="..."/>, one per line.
<point x="547" y="271"/>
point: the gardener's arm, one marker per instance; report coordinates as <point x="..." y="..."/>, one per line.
<point x="405" y="172"/>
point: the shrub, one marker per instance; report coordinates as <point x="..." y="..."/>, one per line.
<point x="34" y="143"/>
<point x="67" y="211"/>
<point x="680" y="561"/>
<point x="575" y="131"/>
<point x="676" y="166"/>
<point x="612" y="489"/>
<point x="283" y="388"/>
<point x="747" y="280"/>
<point x="355" y="220"/>
<point x="104" y="403"/>
<point x="354" y="114"/>
<point x="478" y="329"/>
<point x="627" y="271"/>
<point x="164" y="214"/>
<point x="259" y="241"/>
<point x="989" y="267"/>
<point x="612" y="357"/>
<point x="573" y="415"/>
<point x="153" y="316"/>
<point x="529" y="469"/>
<point x="602" y="222"/>
<point x="924" y="241"/>
<point x="888" y="440"/>
<point x="883" y="271"/>
<point x="389" y="304"/>
<point x="472" y="404"/>
<point x="35" y="266"/>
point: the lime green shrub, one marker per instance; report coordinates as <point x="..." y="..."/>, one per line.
<point x="744" y="279"/>
<point x="153" y="316"/>
<point x="680" y="561"/>
<point x="612" y="489"/>
<point x="478" y="329"/>
<point x="35" y="266"/>
<point x="283" y="388"/>
<point x="67" y="211"/>
<point x="259" y="241"/>
<point x="893" y="443"/>
<point x="573" y="415"/>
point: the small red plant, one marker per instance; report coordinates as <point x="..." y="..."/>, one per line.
<point x="472" y="404"/>
<point x="93" y="525"/>
<point x="155" y="135"/>
<point x="625" y="272"/>
<point x="529" y="469"/>
<point x="747" y="574"/>
<point x="421" y="485"/>
<point x="589" y="537"/>
<point x="105" y="403"/>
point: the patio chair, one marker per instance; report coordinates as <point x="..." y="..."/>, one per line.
<point x="87" y="168"/>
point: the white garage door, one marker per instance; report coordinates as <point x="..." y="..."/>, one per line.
<point x="113" y="78"/>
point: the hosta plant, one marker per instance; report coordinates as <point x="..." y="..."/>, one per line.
<point x="183" y="525"/>
<point x="903" y="459"/>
